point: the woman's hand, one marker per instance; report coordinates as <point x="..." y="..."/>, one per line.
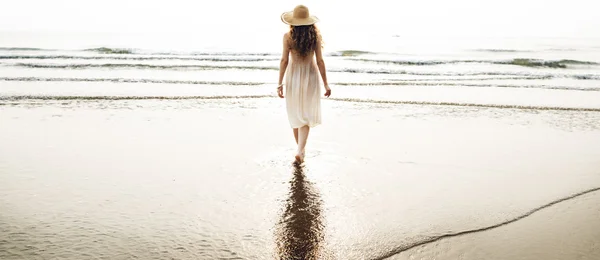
<point x="327" y="91"/>
<point x="280" y="91"/>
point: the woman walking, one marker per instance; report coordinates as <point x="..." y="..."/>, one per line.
<point x="302" y="85"/>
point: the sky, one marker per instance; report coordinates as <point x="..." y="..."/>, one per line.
<point x="548" y="18"/>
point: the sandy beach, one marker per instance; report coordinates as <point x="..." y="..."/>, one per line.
<point x="153" y="130"/>
<point x="212" y="179"/>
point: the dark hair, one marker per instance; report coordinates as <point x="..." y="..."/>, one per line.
<point x="304" y="38"/>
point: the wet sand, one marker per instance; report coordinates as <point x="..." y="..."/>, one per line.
<point x="212" y="179"/>
<point x="567" y="230"/>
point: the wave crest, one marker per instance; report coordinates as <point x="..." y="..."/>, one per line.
<point x="32" y="97"/>
<point x="105" y="50"/>
<point x="404" y="102"/>
<point x="536" y="63"/>
<point x="349" y="53"/>
<point x="517" y="61"/>
<point x="139" y="66"/>
<point x="23" y="49"/>
<point x="133" y="57"/>
<point x="501" y="50"/>
<point x="124" y="80"/>
<point x="398" y="83"/>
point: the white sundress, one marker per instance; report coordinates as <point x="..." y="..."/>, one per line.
<point x="303" y="91"/>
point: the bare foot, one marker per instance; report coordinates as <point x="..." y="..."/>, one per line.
<point x="300" y="157"/>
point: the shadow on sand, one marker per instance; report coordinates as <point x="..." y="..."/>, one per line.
<point x="299" y="232"/>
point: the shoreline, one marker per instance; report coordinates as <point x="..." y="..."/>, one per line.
<point x="548" y="233"/>
<point x="467" y="235"/>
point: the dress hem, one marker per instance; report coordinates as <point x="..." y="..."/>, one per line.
<point x="309" y="125"/>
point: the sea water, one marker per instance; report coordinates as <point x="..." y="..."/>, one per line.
<point x="542" y="73"/>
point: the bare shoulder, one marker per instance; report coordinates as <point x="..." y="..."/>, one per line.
<point x="287" y="39"/>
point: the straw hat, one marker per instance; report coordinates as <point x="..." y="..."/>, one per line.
<point x="300" y="16"/>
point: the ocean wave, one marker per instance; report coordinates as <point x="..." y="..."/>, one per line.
<point x="398" y="83"/>
<point x="355" y="100"/>
<point x="32" y="97"/>
<point x="207" y="67"/>
<point x="578" y="62"/>
<point x="513" y="74"/>
<point x="140" y="66"/>
<point x="410" y="62"/>
<point x="562" y="49"/>
<point x="348" y="53"/>
<point x="105" y="50"/>
<point x="436" y="74"/>
<point x="23" y="49"/>
<point x="408" y="102"/>
<point x="138" y="58"/>
<point x="501" y="50"/>
<point x="447" y="84"/>
<point x="175" y="66"/>
<point x="108" y="50"/>
<point x="466" y="78"/>
<point x="122" y="80"/>
<point x="551" y="64"/>
<point x="586" y="77"/>
<point x="508" y="75"/>
<point x="189" y="67"/>
<point x="534" y="63"/>
<point x="195" y="53"/>
<point x="518" y="61"/>
<point x="248" y="57"/>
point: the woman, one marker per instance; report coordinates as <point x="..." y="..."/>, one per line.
<point x="302" y="86"/>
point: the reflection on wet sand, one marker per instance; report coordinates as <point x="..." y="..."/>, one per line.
<point x="299" y="232"/>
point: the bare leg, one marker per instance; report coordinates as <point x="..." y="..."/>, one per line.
<point x="296" y="134"/>
<point x="302" y="138"/>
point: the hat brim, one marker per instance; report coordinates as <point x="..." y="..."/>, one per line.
<point x="288" y="18"/>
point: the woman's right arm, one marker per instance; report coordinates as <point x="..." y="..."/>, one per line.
<point x="321" y="65"/>
<point x="283" y="64"/>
